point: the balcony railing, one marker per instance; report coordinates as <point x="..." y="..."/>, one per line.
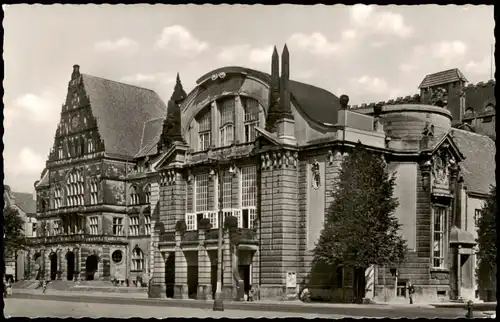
<point x="76" y="238"/>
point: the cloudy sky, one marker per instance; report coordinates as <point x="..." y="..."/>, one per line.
<point x="370" y="53"/>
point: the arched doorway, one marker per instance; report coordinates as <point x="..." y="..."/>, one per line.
<point x="70" y="262"/>
<point x="91" y="267"/>
<point x="170" y="274"/>
<point x="53" y="266"/>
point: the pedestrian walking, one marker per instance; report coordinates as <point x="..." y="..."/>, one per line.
<point x="251" y="294"/>
<point x="411" y="290"/>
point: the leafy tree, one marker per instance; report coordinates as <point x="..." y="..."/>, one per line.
<point x="487" y="237"/>
<point x="361" y="228"/>
<point x="14" y="231"/>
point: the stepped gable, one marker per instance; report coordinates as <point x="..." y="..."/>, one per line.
<point x="478" y="168"/>
<point x="480" y="95"/>
<point x="316" y="103"/>
<point x="415" y="99"/>
<point x="121" y="111"/>
<point x="443" y="77"/>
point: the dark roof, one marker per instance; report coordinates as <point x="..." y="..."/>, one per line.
<point x="317" y="103"/>
<point x="441" y="78"/>
<point x="150" y="137"/>
<point x="121" y="111"/>
<point x="25" y="201"/>
<point x="478" y="168"/>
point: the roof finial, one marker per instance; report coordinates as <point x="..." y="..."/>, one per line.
<point x="179" y="94"/>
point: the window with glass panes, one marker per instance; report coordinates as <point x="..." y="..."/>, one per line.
<point x="226" y="189"/>
<point x="134" y="196"/>
<point x="57" y="197"/>
<point x="204" y="129"/>
<point x="93" y="192"/>
<point x="75" y="189"/>
<point x="201" y="201"/>
<point x="477" y="216"/>
<point x="94" y="225"/>
<point x="133" y="226"/>
<point x="57" y="226"/>
<point x="251" y="118"/>
<point x="147" y="193"/>
<point x="137" y="259"/>
<point x="439" y="236"/>
<point x="147" y="224"/>
<point x="226" y="112"/>
<point x="248" y="195"/>
<point x="117" y="226"/>
<point x="90" y="145"/>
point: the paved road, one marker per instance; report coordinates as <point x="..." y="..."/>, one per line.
<point x="44" y="308"/>
<point x="232" y="309"/>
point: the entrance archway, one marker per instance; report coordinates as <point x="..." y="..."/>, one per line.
<point x="53" y="266"/>
<point x="170" y="274"/>
<point x="91" y="267"/>
<point x="70" y="262"/>
<point x="37" y="258"/>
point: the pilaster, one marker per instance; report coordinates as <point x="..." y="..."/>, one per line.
<point x="204" y="269"/>
<point x="181" y="287"/>
<point x="227" y="270"/>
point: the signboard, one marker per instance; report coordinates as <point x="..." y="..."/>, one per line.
<point x="291" y="279"/>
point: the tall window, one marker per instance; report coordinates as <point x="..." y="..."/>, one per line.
<point x="60" y="153"/>
<point x="147" y="224"/>
<point x="439" y="236"/>
<point x="134" y="196"/>
<point x="117" y="226"/>
<point x="251" y="119"/>
<point x="477" y="215"/>
<point x="248" y="196"/>
<point x="134" y="226"/>
<point x="90" y="145"/>
<point x="137" y="259"/>
<point x="202" y="192"/>
<point x="75" y="189"/>
<point x="226" y="190"/>
<point x="93" y="192"/>
<point x="57" y="197"/>
<point x="204" y="129"/>
<point x="57" y="227"/>
<point x="147" y="193"/>
<point x="226" y="130"/>
<point x="33" y="229"/>
<point x="94" y="225"/>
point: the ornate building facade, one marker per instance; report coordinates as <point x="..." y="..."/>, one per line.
<point x="257" y="147"/>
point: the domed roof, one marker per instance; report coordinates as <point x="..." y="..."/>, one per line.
<point x="459" y="236"/>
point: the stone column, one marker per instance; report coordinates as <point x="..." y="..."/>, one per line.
<point x="47" y="264"/>
<point x="228" y="283"/>
<point x="255" y="280"/>
<point x="157" y="282"/>
<point x="204" y="269"/>
<point x="181" y="287"/>
<point x="60" y="263"/>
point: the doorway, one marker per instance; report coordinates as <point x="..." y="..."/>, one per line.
<point x="53" y="266"/>
<point x="70" y="262"/>
<point x="244" y="271"/>
<point x="91" y="267"/>
<point x="170" y="275"/>
<point x="359" y="284"/>
<point x="192" y="280"/>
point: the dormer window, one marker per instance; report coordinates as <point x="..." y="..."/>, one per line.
<point x="226" y="130"/>
<point x="204" y="129"/>
<point x="251" y="119"/>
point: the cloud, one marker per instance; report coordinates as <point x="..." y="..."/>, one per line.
<point x="244" y="53"/>
<point x="482" y="67"/>
<point x="38" y="108"/>
<point x="449" y="51"/>
<point x="180" y="40"/>
<point x="29" y="162"/>
<point x="139" y="78"/>
<point x="349" y="34"/>
<point x="315" y="43"/>
<point x="383" y="21"/>
<point x="371" y="84"/>
<point x="406" y="68"/>
<point x="122" y="43"/>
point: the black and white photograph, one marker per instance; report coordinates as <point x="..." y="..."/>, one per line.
<point x="249" y="161"/>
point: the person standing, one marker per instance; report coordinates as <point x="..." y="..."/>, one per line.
<point x="411" y="290"/>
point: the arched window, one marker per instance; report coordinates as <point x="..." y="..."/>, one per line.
<point x="90" y="145"/>
<point x="226" y="117"/>
<point x="251" y="119"/>
<point x="134" y="196"/>
<point x="469" y="111"/>
<point x="94" y="192"/>
<point x="137" y="259"/>
<point x="204" y="129"/>
<point x="147" y="193"/>
<point x="57" y="197"/>
<point x="75" y="189"/>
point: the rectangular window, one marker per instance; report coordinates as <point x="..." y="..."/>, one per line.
<point x="487" y="119"/>
<point x="248" y="187"/>
<point x="202" y="192"/>
<point x="117" y="226"/>
<point x="226" y="112"/>
<point x="204" y="130"/>
<point x="226" y="190"/>
<point x="134" y="226"/>
<point x="147" y="224"/>
<point x="251" y="119"/>
<point x="33" y="229"/>
<point x="249" y="216"/>
<point x="57" y="225"/>
<point x="94" y="225"/>
<point x="439" y="236"/>
<point x="93" y="193"/>
<point x="477" y="215"/>
<point x="212" y="216"/>
<point x="191" y="223"/>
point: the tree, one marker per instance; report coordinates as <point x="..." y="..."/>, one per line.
<point x="487" y="237"/>
<point x="14" y="238"/>
<point x="361" y="228"/>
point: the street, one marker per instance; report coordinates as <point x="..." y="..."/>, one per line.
<point x="54" y="305"/>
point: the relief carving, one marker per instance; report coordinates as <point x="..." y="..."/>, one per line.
<point x="316" y="177"/>
<point x="441" y="164"/>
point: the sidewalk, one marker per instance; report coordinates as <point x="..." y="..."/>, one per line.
<point x="82" y="293"/>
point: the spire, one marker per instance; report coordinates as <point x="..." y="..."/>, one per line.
<point x="284" y="86"/>
<point x="274" y="92"/>
<point x="76" y="72"/>
<point x="179" y="94"/>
